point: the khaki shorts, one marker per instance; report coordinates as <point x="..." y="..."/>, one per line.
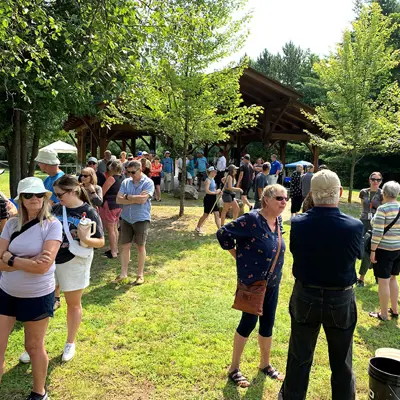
<point x="136" y="232"/>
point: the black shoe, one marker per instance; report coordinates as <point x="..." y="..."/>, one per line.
<point x="360" y="283"/>
<point x="36" y="396"/>
<point x="107" y="253"/>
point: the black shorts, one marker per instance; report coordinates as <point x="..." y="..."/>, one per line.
<point x="228" y="197"/>
<point x="388" y="263"/>
<point x="246" y="189"/>
<point x="210" y="204"/>
<point x="26" y="309"/>
<point x="156" y="180"/>
<point x="202" y="176"/>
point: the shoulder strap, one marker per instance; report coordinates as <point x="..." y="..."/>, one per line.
<point x="271" y="271"/>
<point x="66" y="227"/>
<point x="24" y="228"/>
<point x="387" y="229"/>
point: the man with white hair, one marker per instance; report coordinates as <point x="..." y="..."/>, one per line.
<point x="49" y="163"/>
<point x="102" y="167"/>
<point x="323" y="293"/>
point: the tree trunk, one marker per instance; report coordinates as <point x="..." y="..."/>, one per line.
<point x="24" y="150"/>
<point x="183" y="179"/>
<point x="14" y="156"/>
<point x="353" y="167"/>
<point x="35" y="150"/>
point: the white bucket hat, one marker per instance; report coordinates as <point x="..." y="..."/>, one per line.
<point x="32" y="185"/>
<point x="47" y="156"/>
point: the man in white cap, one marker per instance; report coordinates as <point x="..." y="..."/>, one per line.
<point x="49" y="163"/>
<point x="92" y="163"/>
<point x="168" y="170"/>
<point x="323" y="293"/>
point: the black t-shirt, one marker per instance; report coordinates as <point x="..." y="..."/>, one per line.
<point x="74" y="215"/>
<point x="247" y="179"/>
<point x="3" y="209"/>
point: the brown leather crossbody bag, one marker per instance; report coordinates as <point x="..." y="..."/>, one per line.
<point x="250" y="298"/>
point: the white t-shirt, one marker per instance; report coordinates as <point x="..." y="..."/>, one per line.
<point x="29" y="244"/>
<point x="221" y="164"/>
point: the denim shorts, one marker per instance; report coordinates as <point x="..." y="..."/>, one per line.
<point x="26" y="309"/>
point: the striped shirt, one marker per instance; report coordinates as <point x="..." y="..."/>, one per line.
<point x="385" y="214"/>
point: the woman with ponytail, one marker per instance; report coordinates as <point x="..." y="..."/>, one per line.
<point x="72" y="270"/>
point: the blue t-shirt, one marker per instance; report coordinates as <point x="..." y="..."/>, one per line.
<point x="48" y="184"/>
<point x="190" y="167"/>
<point x="256" y="246"/>
<point x="137" y="212"/>
<point x="275" y="166"/>
<point x="167" y="165"/>
<point x="202" y="164"/>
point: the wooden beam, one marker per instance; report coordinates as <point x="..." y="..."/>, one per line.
<point x="282" y="151"/>
<point x="103" y="140"/>
<point x="267" y="127"/>
<point x="282" y="111"/>
<point x="290" y="137"/>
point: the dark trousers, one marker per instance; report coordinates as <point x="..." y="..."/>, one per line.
<point x="218" y="179"/>
<point x="336" y="311"/>
<point x="366" y="260"/>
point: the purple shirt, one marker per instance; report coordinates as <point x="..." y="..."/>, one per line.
<point x="29" y="244"/>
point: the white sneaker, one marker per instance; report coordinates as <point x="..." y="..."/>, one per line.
<point x="69" y="352"/>
<point x="24" y="358"/>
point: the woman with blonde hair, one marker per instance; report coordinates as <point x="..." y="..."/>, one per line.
<point x="28" y="247"/>
<point x="89" y="181"/>
<point x="255" y="242"/>
<point x="110" y="210"/>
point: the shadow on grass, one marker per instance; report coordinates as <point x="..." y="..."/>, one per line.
<point x="19" y="378"/>
<point x="254" y="392"/>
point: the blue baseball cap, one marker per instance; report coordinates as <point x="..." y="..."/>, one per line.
<point x="139" y="153"/>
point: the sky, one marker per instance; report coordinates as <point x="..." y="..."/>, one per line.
<point x="314" y="24"/>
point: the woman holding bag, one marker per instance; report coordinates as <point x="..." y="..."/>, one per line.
<point x="255" y="241"/>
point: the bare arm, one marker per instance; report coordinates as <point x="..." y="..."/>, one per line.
<point x="97" y="196"/>
<point x="92" y="242"/>
<point x="36" y="265"/>
<point x="233" y="253"/>
<point x="107" y="184"/>
<point x="240" y="178"/>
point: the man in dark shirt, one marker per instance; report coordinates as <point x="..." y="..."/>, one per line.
<point x="323" y="293"/>
<point x="245" y="179"/>
<point x="261" y="182"/>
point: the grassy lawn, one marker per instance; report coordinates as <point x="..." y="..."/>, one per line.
<point x="172" y="337"/>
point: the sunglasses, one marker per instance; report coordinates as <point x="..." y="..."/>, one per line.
<point x="28" y="196"/>
<point x="131" y="172"/>
<point x="84" y="176"/>
<point x="376" y="179"/>
<point x="91" y="163"/>
<point x="281" y="198"/>
<point x="59" y="195"/>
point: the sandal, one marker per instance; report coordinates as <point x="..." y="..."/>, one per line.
<point x="119" y="279"/>
<point x="271" y="372"/>
<point x="238" y="379"/>
<point x="376" y="315"/>
<point x="109" y="255"/>
<point x="392" y="314"/>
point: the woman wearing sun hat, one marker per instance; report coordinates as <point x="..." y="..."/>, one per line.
<point x="210" y="200"/>
<point x="28" y="247"/>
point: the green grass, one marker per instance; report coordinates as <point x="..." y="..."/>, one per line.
<point x="172" y="337"/>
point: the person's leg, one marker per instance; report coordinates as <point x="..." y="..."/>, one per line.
<point x="141" y="249"/>
<point x="74" y="313"/>
<point x="201" y="220"/>
<point x="217" y="219"/>
<point x="339" y="329"/>
<point x="158" y="189"/>
<point x="125" y="257"/>
<point x="384" y="295"/>
<point x="112" y="237"/>
<point x="364" y="267"/>
<point x="246" y="201"/>
<point x="224" y="211"/>
<point x="35" y="332"/>
<point x="246" y="326"/>
<point x="6" y="326"/>
<point x="235" y="209"/>
<point x="394" y="293"/>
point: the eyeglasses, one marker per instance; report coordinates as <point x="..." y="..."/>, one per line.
<point x="28" y="196"/>
<point x="281" y="198"/>
<point x="376" y="179"/>
<point x="84" y="176"/>
<point x="132" y="172"/>
<point x="91" y="163"/>
<point x="59" y="195"/>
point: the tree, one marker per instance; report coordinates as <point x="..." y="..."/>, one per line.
<point x="174" y="92"/>
<point x="361" y="111"/>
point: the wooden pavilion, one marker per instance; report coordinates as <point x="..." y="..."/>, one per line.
<point x="281" y="122"/>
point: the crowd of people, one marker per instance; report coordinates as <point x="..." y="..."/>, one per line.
<point x="47" y="246"/>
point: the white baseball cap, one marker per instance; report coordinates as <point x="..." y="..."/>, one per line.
<point x="211" y="169"/>
<point x="47" y="156"/>
<point x="32" y="185"/>
<point x="144" y="153"/>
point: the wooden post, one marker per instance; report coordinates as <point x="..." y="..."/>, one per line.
<point x="82" y="159"/>
<point x="282" y="151"/>
<point x="124" y="145"/>
<point x="103" y="140"/>
<point x="79" y="146"/>
<point x="153" y="143"/>
<point x="315" y="153"/>
<point x="133" y="146"/>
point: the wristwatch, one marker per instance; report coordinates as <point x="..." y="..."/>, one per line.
<point x="126" y="196"/>
<point x="11" y="261"/>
